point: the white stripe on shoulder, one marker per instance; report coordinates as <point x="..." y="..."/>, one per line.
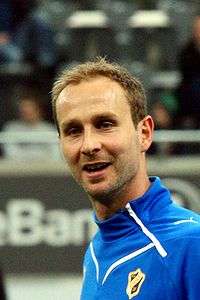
<point x="126" y="258"/>
<point x="95" y="261"/>
<point x="190" y="220"/>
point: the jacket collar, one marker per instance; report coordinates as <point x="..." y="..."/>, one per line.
<point x="146" y="207"/>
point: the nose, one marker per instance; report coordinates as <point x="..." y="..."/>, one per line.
<point x="90" y="143"/>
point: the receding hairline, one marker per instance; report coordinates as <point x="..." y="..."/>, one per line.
<point x="90" y="80"/>
<point x="92" y="69"/>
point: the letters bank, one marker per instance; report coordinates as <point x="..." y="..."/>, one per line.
<point x="26" y="222"/>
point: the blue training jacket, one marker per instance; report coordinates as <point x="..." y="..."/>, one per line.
<point x="149" y="250"/>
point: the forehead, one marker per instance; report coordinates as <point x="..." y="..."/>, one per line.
<point x="95" y="95"/>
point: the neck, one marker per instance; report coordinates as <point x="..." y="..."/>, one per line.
<point x="106" y="208"/>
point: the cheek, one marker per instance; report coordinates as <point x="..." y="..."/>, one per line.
<point x="129" y="148"/>
<point x="70" y="153"/>
<point x="117" y="146"/>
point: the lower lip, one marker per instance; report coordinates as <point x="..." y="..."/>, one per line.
<point x="96" y="174"/>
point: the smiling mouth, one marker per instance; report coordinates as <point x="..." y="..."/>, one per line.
<point x="96" y="167"/>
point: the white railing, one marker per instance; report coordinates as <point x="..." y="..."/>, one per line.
<point x="35" y="137"/>
<point x="160" y="137"/>
<point x="29" y="146"/>
<point x="176" y="136"/>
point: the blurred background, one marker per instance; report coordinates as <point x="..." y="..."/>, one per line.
<point x="45" y="219"/>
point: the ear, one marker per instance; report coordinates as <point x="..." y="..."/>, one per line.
<point x="145" y="132"/>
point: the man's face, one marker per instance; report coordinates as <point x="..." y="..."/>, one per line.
<point x="97" y="136"/>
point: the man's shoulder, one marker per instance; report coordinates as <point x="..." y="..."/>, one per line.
<point x="182" y="214"/>
<point x="178" y="223"/>
<point x="186" y="224"/>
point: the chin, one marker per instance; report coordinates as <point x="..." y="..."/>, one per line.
<point x="101" y="194"/>
<point x="96" y="192"/>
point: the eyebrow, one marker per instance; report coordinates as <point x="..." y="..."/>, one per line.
<point x="99" y="116"/>
<point x="103" y="116"/>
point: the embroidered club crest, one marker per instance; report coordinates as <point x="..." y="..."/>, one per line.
<point x="135" y="281"/>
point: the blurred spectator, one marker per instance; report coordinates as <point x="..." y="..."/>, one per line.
<point x="85" y="4"/>
<point x="24" y="34"/>
<point x="163" y="120"/>
<point x="146" y="4"/>
<point x="189" y="89"/>
<point x="12" y="15"/>
<point x="161" y="115"/>
<point x="36" y="39"/>
<point x="30" y="120"/>
<point x="164" y="109"/>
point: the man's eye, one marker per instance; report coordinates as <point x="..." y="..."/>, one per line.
<point x="106" y="124"/>
<point x="73" y="131"/>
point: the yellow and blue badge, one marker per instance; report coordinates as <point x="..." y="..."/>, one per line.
<point x="135" y="281"/>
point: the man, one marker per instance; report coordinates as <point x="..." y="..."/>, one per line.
<point x="146" y="247"/>
<point x="29" y="121"/>
<point x="189" y="89"/>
